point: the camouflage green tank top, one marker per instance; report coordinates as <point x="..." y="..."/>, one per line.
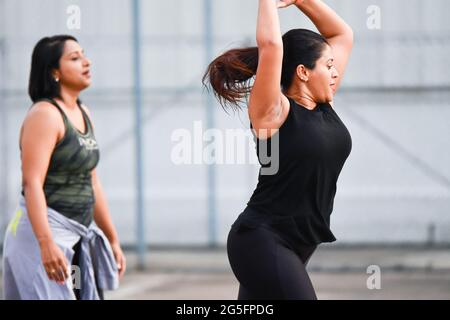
<point x="68" y="184"/>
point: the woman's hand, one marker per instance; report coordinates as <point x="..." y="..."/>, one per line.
<point x="286" y="3"/>
<point x="54" y="261"/>
<point x="120" y="258"/>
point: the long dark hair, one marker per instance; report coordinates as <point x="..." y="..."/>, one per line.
<point x="230" y="75"/>
<point x="46" y="56"/>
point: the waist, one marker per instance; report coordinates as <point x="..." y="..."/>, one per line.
<point x="299" y="228"/>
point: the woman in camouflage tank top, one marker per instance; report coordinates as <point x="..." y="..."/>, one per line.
<point x="59" y="153"/>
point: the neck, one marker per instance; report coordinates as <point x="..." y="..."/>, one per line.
<point x="69" y="97"/>
<point x="301" y="96"/>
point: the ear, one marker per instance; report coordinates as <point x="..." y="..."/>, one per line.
<point x="302" y="73"/>
<point x="56" y="75"/>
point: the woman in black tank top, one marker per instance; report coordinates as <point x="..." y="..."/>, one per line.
<point x="59" y="156"/>
<point x="302" y="145"/>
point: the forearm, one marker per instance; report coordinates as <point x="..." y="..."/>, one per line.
<point x="101" y="214"/>
<point x="326" y="20"/>
<point x="37" y="212"/>
<point x="268" y="30"/>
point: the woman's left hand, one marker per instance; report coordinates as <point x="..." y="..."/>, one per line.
<point x="286" y="3"/>
<point x="120" y="259"/>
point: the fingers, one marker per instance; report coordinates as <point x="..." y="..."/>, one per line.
<point x="64" y="267"/>
<point x="120" y="259"/>
<point x="284" y="3"/>
<point x="122" y="266"/>
<point x="59" y="277"/>
<point x="57" y="271"/>
<point x="63" y="272"/>
<point x="50" y="272"/>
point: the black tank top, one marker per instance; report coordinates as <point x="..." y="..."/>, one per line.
<point x="297" y="200"/>
<point x="68" y="183"/>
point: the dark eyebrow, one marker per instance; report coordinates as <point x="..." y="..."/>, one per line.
<point x="82" y="51"/>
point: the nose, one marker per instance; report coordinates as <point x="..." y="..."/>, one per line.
<point x="87" y="62"/>
<point x="335" y="73"/>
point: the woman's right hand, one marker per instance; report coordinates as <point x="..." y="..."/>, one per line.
<point x="54" y="261"/>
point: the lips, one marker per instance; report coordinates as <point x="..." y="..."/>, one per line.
<point x="333" y="86"/>
<point x="87" y="73"/>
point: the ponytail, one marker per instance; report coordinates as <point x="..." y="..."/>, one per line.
<point x="230" y="76"/>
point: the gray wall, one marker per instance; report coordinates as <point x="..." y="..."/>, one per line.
<point x="395" y="102"/>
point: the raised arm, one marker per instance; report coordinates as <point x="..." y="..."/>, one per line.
<point x="268" y="107"/>
<point x="337" y="32"/>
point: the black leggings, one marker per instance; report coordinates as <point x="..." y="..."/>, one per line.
<point x="267" y="268"/>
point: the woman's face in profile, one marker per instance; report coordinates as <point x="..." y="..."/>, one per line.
<point x="74" y="67"/>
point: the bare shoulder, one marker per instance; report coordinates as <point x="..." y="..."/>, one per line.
<point x="44" y="113"/>
<point x="43" y="119"/>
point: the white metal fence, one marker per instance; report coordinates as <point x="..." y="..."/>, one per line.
<point x="395" y="101"/>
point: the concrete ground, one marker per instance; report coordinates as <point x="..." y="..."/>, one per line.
<point x="328" y="285"/>
<point x="336" y="273"/>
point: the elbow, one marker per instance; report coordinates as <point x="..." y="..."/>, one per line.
<point x="31" y="185"/>
<point x="271" y="44"/>
<point x="349" y="35"/>
<point x="345" y="38"/>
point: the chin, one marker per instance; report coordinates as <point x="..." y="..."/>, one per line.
<point x="326" y="100"/>
<point x="85" y="85"/>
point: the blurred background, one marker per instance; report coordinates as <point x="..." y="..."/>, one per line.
<point x="392" y="207"/>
